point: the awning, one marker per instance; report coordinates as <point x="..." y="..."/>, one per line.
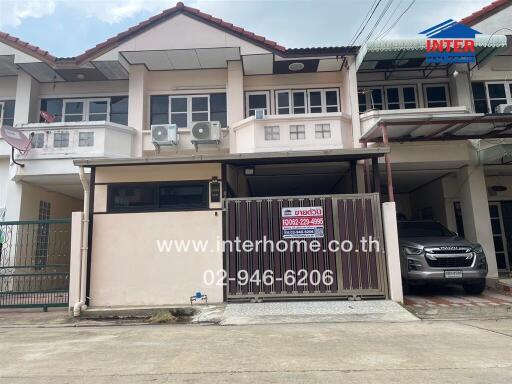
<point x="496" y="154"/>
<point x="385" y="55"/>
<point x="330" y="155"/>
<point x="441" y="127"/>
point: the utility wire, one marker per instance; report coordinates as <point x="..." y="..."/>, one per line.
<point x="353" y="41"/>
<point x="379" y="19"/>
<point x="398" y="19"/>
<point x="362" y="22"/>
<point x="392" y="14"/>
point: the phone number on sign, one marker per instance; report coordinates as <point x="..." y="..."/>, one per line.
<point x="303" y="221"/>
<point x="302" y="277"/>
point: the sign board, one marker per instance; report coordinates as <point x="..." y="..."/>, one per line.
<point x="302" y="222"/>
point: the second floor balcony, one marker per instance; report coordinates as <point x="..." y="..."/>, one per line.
<point x="314" y="131"/>
<point x="70" y="140"/>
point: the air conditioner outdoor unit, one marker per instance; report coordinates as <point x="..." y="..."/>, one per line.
<point x="164" y="134"/>
<point x="205" y="132"/>
<point x="504" y="108"/>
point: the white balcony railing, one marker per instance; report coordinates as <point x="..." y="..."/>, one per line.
<point x="249" y="134"/>
<point x="78" y="139"/>
<point x="370" y="119"/>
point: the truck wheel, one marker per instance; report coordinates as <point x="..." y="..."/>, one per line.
<point x="474" y="288"/>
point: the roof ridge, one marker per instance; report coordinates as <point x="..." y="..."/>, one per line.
<point x="486" y="12"/>
<point x="23" y="46"/>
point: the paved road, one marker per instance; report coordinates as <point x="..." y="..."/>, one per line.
<point x="415" y="352"/>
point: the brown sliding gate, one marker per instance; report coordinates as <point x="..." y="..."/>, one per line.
<point x="330" y="267"/>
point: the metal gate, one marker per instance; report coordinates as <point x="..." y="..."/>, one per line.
<point x="278" y="271"/>
<point x="34" y="263"/>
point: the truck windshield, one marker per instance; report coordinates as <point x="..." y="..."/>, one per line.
<point x="422" y="229"/>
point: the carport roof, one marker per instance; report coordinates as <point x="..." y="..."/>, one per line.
<point x="441" y="127"/>
<point x="246" y="158"/>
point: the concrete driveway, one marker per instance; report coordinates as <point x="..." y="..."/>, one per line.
<point x="421" y="351"/>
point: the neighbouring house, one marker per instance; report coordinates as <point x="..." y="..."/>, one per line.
<point x="219" y="134"/>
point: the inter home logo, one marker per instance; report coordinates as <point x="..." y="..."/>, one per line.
<point x="450" y="42"/>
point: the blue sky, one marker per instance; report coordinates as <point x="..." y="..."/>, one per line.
<point x="69" y="27"/>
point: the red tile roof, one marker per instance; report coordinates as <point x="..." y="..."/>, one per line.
<point x="26" y="47"/>
<point x="486" y="11"/>
<point x="171" y="12"/>
<point x="161" y="17"/>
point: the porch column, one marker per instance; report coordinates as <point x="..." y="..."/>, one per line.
<point x="137" y="105"/>
<point x="235" y="99"/>
<point x="392" y="252"/>
<point x="26" y="108"/>
<point x="385" y="141"/>
<point x="475" y="212"/>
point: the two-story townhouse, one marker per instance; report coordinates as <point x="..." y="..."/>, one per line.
<point x="284" y="133"/>
<point x="448" y="142"/>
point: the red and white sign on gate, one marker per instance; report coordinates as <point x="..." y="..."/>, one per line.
<point x="302" y="222"/>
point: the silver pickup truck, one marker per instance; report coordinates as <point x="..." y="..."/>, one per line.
<point x="430" y="253"/>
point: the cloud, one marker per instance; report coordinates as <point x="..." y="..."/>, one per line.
<point x="14" y="11"/>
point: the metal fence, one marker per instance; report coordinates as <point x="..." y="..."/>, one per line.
<point x="34" y="263"/>
<point x="355" y="273"/>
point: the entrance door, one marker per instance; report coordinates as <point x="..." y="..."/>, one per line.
<point x="499" y="236"/>
<point x="293" y="267"/>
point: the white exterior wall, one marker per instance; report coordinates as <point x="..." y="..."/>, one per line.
<point x="494" y="23"/>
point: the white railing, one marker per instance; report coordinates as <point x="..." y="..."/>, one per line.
<point x="249" y="134"/>
<point x="78" y="139"/>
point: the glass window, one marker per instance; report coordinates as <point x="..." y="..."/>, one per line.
<point x="183" y="195"/>
<point x="299" y="102"/>
<point x="436" y="95"/>
<point x="257" y="101"/>
<point x="119" y="110"/>
<point x="218" y="108"/>
<point x="331" y="101"/>
<point x="98" y="110"/>
<point x="272" y="132"/>
<point x="376" y="99"/>
<point x="409" y="95"/>
<point x="131" y="197"/>
<point x="393" y="98"/>
<point x="283" y="103"/>
<point x="37" y="140"/>
<point x="159" y="110"/>
<point x="200" y="108"/>
<point x="361" y="97"/>
<point x="497" y="95"/>
<point x="315" y="102"/>
<point x="7" y="117"/>
<point x="163" y="196"/>
<point x="297" y="132"/>
<point x="1" y="113"/>
<point x="86" y="139"/>
<point x="179" y="113"/>
<point x="74" y="111"/>
<point x="322" y="131"/>
<point x="479" y="97"/>
<point x="61" y="139"/>
<point x="52" y="106"/>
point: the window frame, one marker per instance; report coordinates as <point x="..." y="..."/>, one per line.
<point x="322" y="131"/>
<point x="66" y="133"/>
<point x="86" y="108"/>
<point x="270" y="131"/>
<point x="154" y="187"/>
<point x="300" y="134"/>
<point x="401" y="101"/>
<point x="257" y="93"/>
<point x="2" y="111"/>
<point x="189" y="111"/>
<point x="508" y="93"/>
<point x="91" y="133"/>
<point x="434" y="85"/>
<point x="368" y="98"/>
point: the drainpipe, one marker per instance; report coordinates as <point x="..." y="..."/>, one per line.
<point x="84" y="246"/>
